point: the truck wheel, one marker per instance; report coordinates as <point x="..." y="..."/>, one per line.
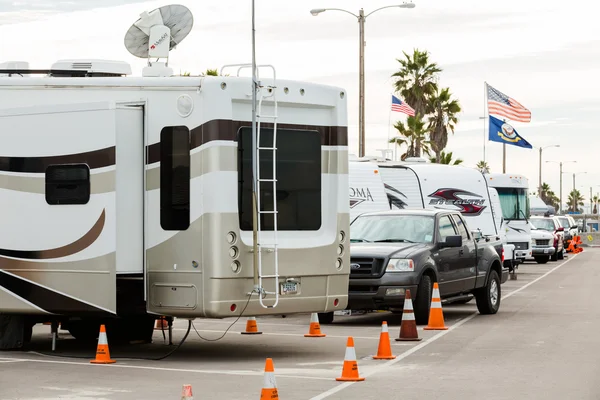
<point x="326" y="318"/>
<point x="554" y="256"/>
<point x="542" y="259"/>
<point x="488" y="297"/>
<point x="422" y="301"/>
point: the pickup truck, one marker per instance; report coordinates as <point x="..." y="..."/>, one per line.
<point x="395" y="250"/>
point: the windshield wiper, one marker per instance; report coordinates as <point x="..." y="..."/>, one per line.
<point x="393" y="240"/>
<point x="360" y="240"/>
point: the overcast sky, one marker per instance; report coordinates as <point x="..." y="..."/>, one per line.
<point x="545" y="54"/>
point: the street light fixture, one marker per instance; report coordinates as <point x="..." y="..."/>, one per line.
<point x="561" y="174"/>
<point x="361" y="61"/>
<point x="540" y="181"/>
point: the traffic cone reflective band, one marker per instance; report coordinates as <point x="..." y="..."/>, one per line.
<point x="436" y="316"/>
<point x="251" y="327"/>
<point x="408" y="327"/>
<point x="102" y="353"/>
<point x="315" y="329"/>
<point x="186" y="393"/>
<point x="350" y="368"/>
<point x="269" y="390"/>
<point x="384" y="351"/>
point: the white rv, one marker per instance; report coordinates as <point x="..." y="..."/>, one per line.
<point x="429" y="185"/>
<point x="514" y="200"/>
<point x="131" y="197"/>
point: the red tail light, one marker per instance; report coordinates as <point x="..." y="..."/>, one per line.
<point x="502" y="254"/>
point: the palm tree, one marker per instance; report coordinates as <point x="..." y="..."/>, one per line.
<point x="444" y="110"/>
<point x="414" y="135"/>
<point x="445" y="158"/>
<point x="483" y="167"/>
<point x="595" y="200"/>
<point x="575" y="200"/>
<point x="417" y="82"/>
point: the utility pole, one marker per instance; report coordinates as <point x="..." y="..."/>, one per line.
<point x="504" y="157"/>
<point x="561" y="201"/>
<point x="540" y="178"/>
<point x="361" y="84"/>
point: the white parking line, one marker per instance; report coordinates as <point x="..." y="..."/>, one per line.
<point x="197" y="371"/>
<point x="430" y="340"/>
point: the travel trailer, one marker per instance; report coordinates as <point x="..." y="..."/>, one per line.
<point x="514" y="199"/>
<point x="128" y="198"/>
<point x="427" y="185"/>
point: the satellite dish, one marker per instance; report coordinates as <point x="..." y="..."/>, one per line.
<point x="157" y="32"/>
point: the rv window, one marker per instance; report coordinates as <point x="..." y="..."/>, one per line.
<point x="67" y="184"/>
<point x="460" y="225"/>
<point x="175" y="178"/>
<point x="298" y="165"/>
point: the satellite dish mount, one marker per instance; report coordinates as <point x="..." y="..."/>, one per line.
<point x="155" y="34"/>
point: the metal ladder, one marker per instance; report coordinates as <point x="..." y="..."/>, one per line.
<point x="265" y="92"/>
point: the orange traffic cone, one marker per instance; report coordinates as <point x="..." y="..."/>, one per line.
<point x="408" y="327"/>
<point x="251" y="327"/>
<point x="436" y="316"/>
<point x="350" y="368"/>
<point x="315" y="328"/>
<point x="161" y="324"/>
<point x="102" y="353"/>
<point x="186" y="393"/>
<point x="269" y="390"/>
<point x="384" y="351"/>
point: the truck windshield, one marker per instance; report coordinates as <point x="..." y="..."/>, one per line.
<point x="541" y="223"/>
<point x="564" y="222"/>
<point x="514" y="203"/>
<point x="392" y="228"/>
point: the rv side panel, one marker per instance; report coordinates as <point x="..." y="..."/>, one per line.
<point x="402" y="187"/>
<point x="367" y="193"/>
<point x="57" y="207"/>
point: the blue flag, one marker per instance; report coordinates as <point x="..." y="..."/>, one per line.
<point x="503" y="132"/>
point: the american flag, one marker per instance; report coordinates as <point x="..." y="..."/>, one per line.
<point x="501" y="104"/>
<point x="400" y="106"/>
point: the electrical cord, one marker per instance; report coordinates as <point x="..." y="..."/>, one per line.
<point x="190" y="325"/>
<point x="230" y="326"/>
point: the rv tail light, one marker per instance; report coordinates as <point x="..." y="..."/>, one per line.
<point x="342" y="236"/>
<point x="340" y="250"/>
<point x="236" y="267"/>
<point x="233" y="307"/>
<point x="233" y="252"/>
<point x="336" y="302"/>
<point x="231" y="237"/>
<point x="338" y="264"/>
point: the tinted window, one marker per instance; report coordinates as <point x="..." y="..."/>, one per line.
<point x="67" y="184"/>
<point x="400" y="228"/>
<point x="460" y="225"/>
<point x="445" y="228"/>
<point x="175" y="178"/>
<point x="298" y="165"/>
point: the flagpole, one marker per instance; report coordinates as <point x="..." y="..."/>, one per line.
<point x="504" y="153"/>
<point x="389" y="121"/>
<point x="485" y="112"/>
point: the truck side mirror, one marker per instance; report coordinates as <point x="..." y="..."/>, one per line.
<point x="451" y="241"/>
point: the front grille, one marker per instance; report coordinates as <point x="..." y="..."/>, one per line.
<point x="542" y="242"/>
<point x="362" y="267"/>
<point x="521" y="245"/>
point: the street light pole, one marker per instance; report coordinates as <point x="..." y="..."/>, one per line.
<point x="561" y="174"/>
<point x="540" y="177"/>
<point x="361" y="64"/>
<point x="361" y="84"/>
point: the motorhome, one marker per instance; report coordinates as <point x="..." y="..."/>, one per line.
<point x="127" y="198"/>
<point x="514" y="199"/>
<point x="417" y="184"/>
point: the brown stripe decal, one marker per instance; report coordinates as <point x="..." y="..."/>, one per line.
<point x="73" y="248"/>
<point x="95" y="159"/>
<point x="218" y="129"/>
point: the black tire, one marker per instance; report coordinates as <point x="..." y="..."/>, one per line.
<point x="422" y="300"/>
<point x="84" y="330"/>
<point x="326" y="318"/>
<point x="554" y="256"/>
<point x="488" y="298"/>
<point x="542" y="259"/>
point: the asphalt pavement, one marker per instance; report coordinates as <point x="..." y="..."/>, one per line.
<point x="542" y="344"/>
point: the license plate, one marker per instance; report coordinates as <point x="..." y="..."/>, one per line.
<point x="547" y="250"/>
<point x="289" y="288"/>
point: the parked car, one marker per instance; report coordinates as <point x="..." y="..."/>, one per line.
<point x="395" y="250"/>
<point x="551" y="224"/>
<point x="570" y="229"/>
<point x="542" y="244"/>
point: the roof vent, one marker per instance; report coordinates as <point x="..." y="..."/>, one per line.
<point x="90" y="68"/>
